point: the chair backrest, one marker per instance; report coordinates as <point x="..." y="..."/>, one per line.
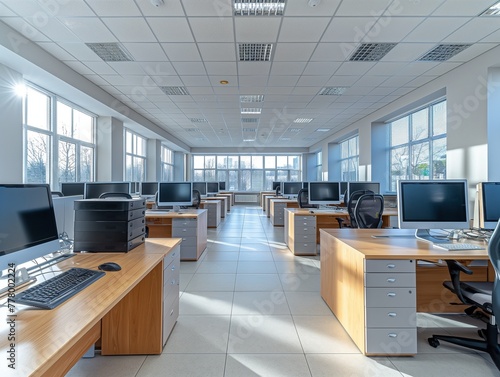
<point x="368" y="211"/>
<point x="303" y="199"/>
<point x="196" y="199"/>
<point x="105" y="195"/>
<point x="278" y="191"/>
<point x="494" y="255"/>
<point x="351" y="204"/>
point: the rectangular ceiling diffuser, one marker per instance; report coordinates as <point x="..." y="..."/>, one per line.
<point x="252" y="98"/>
<point x="258" y="7"/>
<point x="443" y="52"/>
<point x="110" y="52"/>
<point x="371" y="52"/>
<point x="332" y="91"/>
<point x="255" y="52"/>
<point x="174" y="90"/>
<point x="249" y="120"/>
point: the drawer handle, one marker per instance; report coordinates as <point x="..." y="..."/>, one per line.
<point x="173" y="282"/>
<point x="391" y="280"/>
<point x="391" y="294"/>
<point x="173" y="268"/>
<point x="391" y="266"/>
<point x="392" y="335"/>
<point x="172" y="312"/>
<point x="392" y="314"/>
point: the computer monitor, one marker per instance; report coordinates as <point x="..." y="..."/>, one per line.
<point x="175" y="194"/>
<point x="487" y="211"/>
<point x="64" y="210"/>
<point x="276" y="184"/>
<point x="201" y="187"/>
<point x="324" y="193"/>
<point x="291" y="188"/>
<point x="28" y="228"/>
<point x="222" y="186"/>
<point x="343" y="190"/>
<point x="148" y="188"/>
<point x="305" y="185"/>
<point x="72" y="188"/>
<point x="212" y="187"/>
<point x="134" y="188"/>
<point x="94" y="189"/>
<point x="425" y="205"/>
<point x="356" y="186"/>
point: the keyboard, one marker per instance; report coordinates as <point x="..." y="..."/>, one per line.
<point x="459" y="246"/>
<point x="56" y="290"/>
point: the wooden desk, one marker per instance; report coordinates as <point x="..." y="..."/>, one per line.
<point x="230" y="194"/>
<point x="224" y="203"/>
<point x="129" y="310"/>
<point x="188" y="224"/>
<point x="276" y="210"/>
<point x="302" y="226"/>
<point x="213" y="208"/>
<point x="261" y="197"/>
<point x="267" y="203"/>
<point x="370" y="284"/>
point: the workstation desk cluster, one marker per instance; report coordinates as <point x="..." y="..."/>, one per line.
<point x="127" y="312"/>
<point x="375" y="286"/>
<point x="214" y="213"/>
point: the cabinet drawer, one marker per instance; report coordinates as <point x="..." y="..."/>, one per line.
<point x="188" y="241"/>
<point x="388" y="279"/>
<point x="184" y="223"/>
<point x="390" y="297"/>
<point x="170" y="315"/>
<point x="183" y="232"/>
<point x="372" y="265"/>
<point x="305" y="247"/>
<point x="305" y="221"/>
<point x="391" y="317"/>
<point x="311" y="230"/>
<point x="305" y="238"/>
<point x="391" y="341"/>
<point x="172" y="256"/>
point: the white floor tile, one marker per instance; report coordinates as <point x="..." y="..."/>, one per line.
<point x="327" y="365"/>
<point x="206" y="303"/>
<point x="222" y="256"/>
<point x="251" y="255"/>
<point x="300" y="282"/>
<point x="275" y="365"/>
<point x="211" y="282"/>
<point x="105" y="366"/>
<point x="176" y="365"/>
<point x="260" y="303"/>
<point x="217" y="267"/>
<point x="307" y="303"/>
<point x="258" y="282"/>
<point x="256" y="267"/>
<point x="297" y="267"/>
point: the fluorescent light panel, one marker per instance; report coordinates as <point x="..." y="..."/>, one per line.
<point x="323" y="129"/>
<point x="110" y="52"/>
<point x="255" y="52"/>
<point x="251" y="110"/>
<point x="443" y="52"/>
<point x="332" y="91"/>
<point x="249" y="120"/>
<point x="303" y="120"/>
<point x="371" y="52"/>
<point x="258" y="7"/>
<point x="174" y="90"/>
<point x="494" y="10"/>
<point x="252" y="98"/>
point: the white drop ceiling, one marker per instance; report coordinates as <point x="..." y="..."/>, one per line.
<point x="194" y="44"/>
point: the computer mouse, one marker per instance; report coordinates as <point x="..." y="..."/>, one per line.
<point x="109" y="266"/>
<point x="311" y="211"/>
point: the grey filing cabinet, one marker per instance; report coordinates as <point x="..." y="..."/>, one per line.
<point x="187" y="229"/>
<point x="277" y="211"/>
<point x="171" y="266"/>
<point x="300" y="232"/>
<point x="390" y="292"/>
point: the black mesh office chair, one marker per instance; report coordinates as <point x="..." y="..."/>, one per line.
<point x="351" y="204"/>
<point x="196" y="199"/>
<point x="482" y="295"/>
<point x="105" y="195"/>
<point x="303" y="199"/>
<point x="278" y="191"/>
<point x="368" y="211"/>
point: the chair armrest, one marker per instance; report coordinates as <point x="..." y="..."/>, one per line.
<point x="455" y="267"/>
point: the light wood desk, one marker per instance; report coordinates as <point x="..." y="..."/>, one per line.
<point x="261" y="197"/>
<point x="277" y="207"/>
<point x="267" y="203"/>
<point x="302" y="226"/>
<point x="371" y="285"/>
<point x="231" y="195"/>
<point x="225" y="205"/>
<point x="126" y="309"/>
<point x="263" y="200"/>
<point x="213" y="208"/>
<point x="189" y="224"/>
<point x="230" y="200"/>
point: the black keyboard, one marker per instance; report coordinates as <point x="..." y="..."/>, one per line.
<point x="56" y="290"/>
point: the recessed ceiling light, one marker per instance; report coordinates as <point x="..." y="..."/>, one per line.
<point x="258" y="7"/>
<point x="323" y="129"/>
<point x="224" y="82"/>
<point x="251" y="110"/>
<point x="191" y="130"/>
<point x="285" y="139"/>
<point x="249" y="120"/>
<point x="255" y="52"/>
<point x="249" y="129"/>
<point x="110" y="52"/>
<point x="295" y="129"/>
<point x="252" y="98"/>
<point x="443" y="52"/>
<point x="371" y="52"/>
<point x="198" y="120"/>
<point x="303" y="120"/>
<point x="174" y="90"/>
<point x="332" y="91"/>
<point x="253" y="139"/>
<point x="494" y="10"/>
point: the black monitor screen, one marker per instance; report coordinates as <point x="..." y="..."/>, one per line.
<point x="212" y="187"/>
<point x="94" y="189"/>
<point x="222" y="186"/>
<point x="324" y="192"/>
<point x="201" y="187"/>
<point x="356" y="186"/>
<point x="491" y="201"/>
<point x="149" y="188"/>
<point x="291" y="188"/>
<point x="26" y="217"/>
<point x="343" y="187"/>
<point x="72" y="188"/>
<point x="305" y="185"/>
<point x="175" y="193"/>
<point x="276" y="184"/>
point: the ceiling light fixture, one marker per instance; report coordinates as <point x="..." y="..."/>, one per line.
<point x="303" y="120"/>
<point x="249" y="139"/>
<point x="224" y="82"/>
<point x="251" y="110"/>
<point x="443" y="52"/>
<point x="258" y="7"/>
<point x="255" y="52"/>
<point x="252" y="98"/>
<point x="313" y="3"/>
<point x="110" y="52"/>
<point x="157" y="3"/>
<point x="323" y="129"/>
<point x="371" y="52"/>
<point x="332" y="91"/>
<point x="494" y="10"/>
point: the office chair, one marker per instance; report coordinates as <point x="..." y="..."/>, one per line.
<point x="278" y="191"/>
<point x="196" y="199"/>
<point x="303" y="199"/>
<point x="351" y="204"/>
<point x="482" y="295"/>
<point x="368" y="211"/>
<point x="56" y="193"/>
<point x="105" y="195"/>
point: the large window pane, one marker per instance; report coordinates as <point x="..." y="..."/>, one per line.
<point x="281" y="162"/>
<point x="67" y="162"/>
<point x="83" y="126"/>
<point x="270" y="162"/>
<point x="210" y="175"/>
<point x="294" y="162"/>
<point x="399" y="132"/>
<point x="282" y="175"/>
<point x="257" y="180"/>
<point x="439" y="118"/>
<point x="399" y="165"/>
<point x="257" y="162"/>
<point x="420" y="124"/>
<point x="198" y="175"/>
<point x="221" y="175"/>
<point x="209" y="162"/>
<point x="294" y="176"/>
<point x="198" y="162"/>
<point x="270" y="178"/>
<point x="37" y="109"/>
<point x="233" y="180"/>
<point x="439" y="159"/>
<point x="221" y="162"/>
<point x="37" y="157"/>
<point x="64" y="120"/>
<point x="245" y="162"/>
<point x="232" y="162"/>
<point x="245" y="180"/>
<point x="420" y="161"/>
<point x="86" y="164"/>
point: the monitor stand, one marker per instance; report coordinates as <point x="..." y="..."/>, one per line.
<point x="425" y="235"/>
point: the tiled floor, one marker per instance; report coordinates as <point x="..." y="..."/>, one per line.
<point x="248" y="307"/>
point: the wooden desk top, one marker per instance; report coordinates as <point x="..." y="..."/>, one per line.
<point x="43" y="336"/>
<point x="406" y="247"/>
<point x="322" y="212"/>
<point x="183" y="213"/>
<point x="283" y="200"/>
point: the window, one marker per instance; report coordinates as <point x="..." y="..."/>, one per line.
<point x="135" y="157"/>
<point x="247" y="172"/>
<point x="418" y="145"/>
<point x="59" y="141"/>
<point x="319" y="166"/>
<point x="167" y="164"/>
<point x="349" y="159"/>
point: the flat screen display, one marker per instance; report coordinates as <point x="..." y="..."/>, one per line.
<point x="149" y="188"/>
<point x="94" y="189"/>
<point x="491" y="204"/>
<point x="222" y="186"/>
<point x="212" y="187"/>
<point x="324" y="193"/>
<point x="291" y="188"/>
<point x="175" y="194"/>
<point x="356" y="186"/>
<point x="201" y="187"/>
<point x="72" y="188"/>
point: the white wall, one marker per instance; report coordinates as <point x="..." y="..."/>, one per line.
<point x="110" y="149"/>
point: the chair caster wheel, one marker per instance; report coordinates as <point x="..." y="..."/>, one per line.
<point x="433" y="342"/>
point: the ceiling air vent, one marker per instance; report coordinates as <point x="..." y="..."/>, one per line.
<point x="251" y="110"/>
<point x="258" y="7"/>
<point x="249" y="120"/>
<point x="110" y="52"/>
<point x="303" y="120"/>
<point x="443" y="52"/>
<point x="371" y="52"/>
<point x="174" y="90"/>
<point x="332" y="91"/>
<point x="255" y="52"/>
<point x="198" y="120"/>
<point x="191" y="130"/>
<point x="249" y="129"/>
<point x="252" y="98"/>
